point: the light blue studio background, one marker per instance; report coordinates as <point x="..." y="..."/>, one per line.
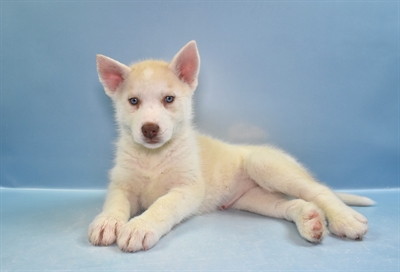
<point x="318" y="79"/>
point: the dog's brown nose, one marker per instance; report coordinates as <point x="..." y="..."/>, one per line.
<point x="150" y="130"/>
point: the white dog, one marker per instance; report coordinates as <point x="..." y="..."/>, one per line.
<point x="166" y="172"/>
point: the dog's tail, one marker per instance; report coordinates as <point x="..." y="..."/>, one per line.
<point x="355" y="200"/>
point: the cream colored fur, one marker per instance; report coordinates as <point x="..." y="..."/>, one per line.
<point x="174" y="172"/>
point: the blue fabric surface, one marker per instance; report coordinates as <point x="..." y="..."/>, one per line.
<point x="43" y="230"/>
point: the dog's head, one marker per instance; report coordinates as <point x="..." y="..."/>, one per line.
<point x="152" y="99"/>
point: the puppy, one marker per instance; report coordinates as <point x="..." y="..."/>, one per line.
<point x="166" y="171"/>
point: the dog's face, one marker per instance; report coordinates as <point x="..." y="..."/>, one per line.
<point x="152" y="99"/>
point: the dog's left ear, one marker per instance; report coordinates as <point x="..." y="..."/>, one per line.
<point x="186" y="64"/>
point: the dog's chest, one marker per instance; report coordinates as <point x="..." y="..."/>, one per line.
<point x="150" y="181"/>
<point x="155" y="185"/>
<point x="154" y="176"/>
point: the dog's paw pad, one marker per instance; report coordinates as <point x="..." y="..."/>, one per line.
<point x="311" y="223"/>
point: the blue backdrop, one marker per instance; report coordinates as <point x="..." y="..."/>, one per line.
<point x="319" y="79"/>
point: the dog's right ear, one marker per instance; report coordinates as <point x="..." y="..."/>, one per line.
<point x="111" y="73"/>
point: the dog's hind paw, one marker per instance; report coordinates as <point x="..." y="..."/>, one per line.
<point x="103" y="230"/>
<point x="348" y="223"/>
<point x="311" y="223"/>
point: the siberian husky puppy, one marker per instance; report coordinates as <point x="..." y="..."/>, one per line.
<point x="166" y="171"/>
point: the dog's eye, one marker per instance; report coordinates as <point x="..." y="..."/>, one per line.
<point x="169" y="99"/>
<point x="134" y="101"/>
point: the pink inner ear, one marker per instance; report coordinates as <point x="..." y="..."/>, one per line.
<point x="187" y="65"/>
<point x="111" y="73"/>
<point x="112" y="79"/>
<point x="188" y="71"/>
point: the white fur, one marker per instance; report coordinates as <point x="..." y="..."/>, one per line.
<point x="180" y="173"/>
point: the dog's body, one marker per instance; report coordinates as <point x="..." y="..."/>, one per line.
<point x="166" y="169"/>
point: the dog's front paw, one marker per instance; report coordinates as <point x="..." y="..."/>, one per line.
<point x="137" y="235"/>
<point x="104" y="229"/>
<point x="348" y="223"/>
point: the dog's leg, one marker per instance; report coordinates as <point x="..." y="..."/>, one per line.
<point x="117" y="209"/>
<point x="144" y="231"/>
<point x="309" y="219"/>
<point x="276" y="171"/>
